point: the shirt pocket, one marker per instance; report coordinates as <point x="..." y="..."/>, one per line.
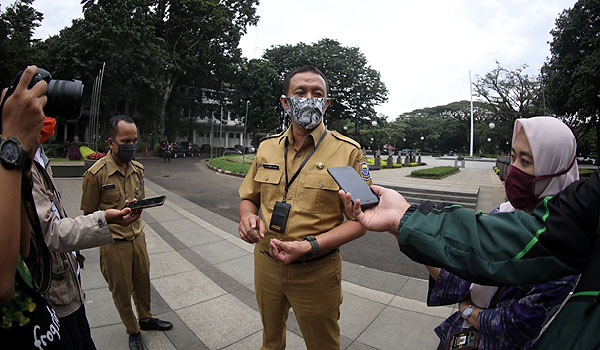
<point x="110" y="196"/>
<point x="269" y="180"/>
<point x="319" y="194"/>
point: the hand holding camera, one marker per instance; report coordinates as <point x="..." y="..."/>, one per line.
<point x="23" y="111"/>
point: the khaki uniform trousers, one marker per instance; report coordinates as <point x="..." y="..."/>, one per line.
<point x="312" y="289"/>
<point x="126" y="268"/>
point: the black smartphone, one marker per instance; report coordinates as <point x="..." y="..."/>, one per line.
<point x="147" y="203"/>
<point x="349" y="181"/>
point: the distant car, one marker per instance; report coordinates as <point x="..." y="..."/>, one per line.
<point x="205" y="148"/>
<point x="194" y="150"/>
<point x="179" y="150"/>
<point x="247" y="149"/>
<point x="229" y="151"/>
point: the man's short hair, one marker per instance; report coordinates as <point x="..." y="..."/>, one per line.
<point x="113" y="124"/>
<point x="305" y="68"/>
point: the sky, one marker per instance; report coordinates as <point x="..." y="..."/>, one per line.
<point x="424" y="50"/>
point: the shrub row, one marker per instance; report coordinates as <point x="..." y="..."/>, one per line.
<point x="435" y="173"/>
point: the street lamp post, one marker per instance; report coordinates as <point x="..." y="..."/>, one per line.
<point x="245" y="134"/>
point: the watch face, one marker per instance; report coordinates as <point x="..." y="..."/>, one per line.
<point x="10" y="152"/>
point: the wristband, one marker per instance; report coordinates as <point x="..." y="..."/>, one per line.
<point x="314" y="245"/>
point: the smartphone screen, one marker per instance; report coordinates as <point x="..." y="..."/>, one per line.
<point x="349" y="181"/>
<point x="147" y="203"/>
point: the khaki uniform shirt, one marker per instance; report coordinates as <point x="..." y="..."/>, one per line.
<point x="105" y="187"/>
<point x="315" y="204"/>
<point x="63" y="235"/>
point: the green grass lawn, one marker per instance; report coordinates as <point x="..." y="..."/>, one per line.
<point x="233" y="163"/>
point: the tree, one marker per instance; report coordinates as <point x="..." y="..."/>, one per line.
<point x="354" y="86"/>
<point x="510" y="94"/>
<point x="572" y="73"/>
<point x="154" y="51"/>
<point x="17" y="46"/>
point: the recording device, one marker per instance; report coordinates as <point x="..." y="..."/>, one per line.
<point x="147" y="203"/>
<point x="64" y="96"/>
<point x="349" y="181"/>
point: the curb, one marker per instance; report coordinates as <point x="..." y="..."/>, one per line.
<point x="226" y="172"/>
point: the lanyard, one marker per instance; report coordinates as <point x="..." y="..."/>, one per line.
<point x="289" y="183"/>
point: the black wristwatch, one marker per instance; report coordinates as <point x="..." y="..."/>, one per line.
<point x="12" y="155"/>
<point x="314" y="245"/>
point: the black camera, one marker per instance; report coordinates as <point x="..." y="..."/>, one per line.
<point x="64" y="96"/>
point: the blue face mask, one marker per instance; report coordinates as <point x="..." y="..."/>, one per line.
<point x="126" y="152"/>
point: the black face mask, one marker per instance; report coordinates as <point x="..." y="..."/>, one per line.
<point x="126" y="152"/>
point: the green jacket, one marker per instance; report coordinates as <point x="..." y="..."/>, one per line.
<point x="556" y="240"/>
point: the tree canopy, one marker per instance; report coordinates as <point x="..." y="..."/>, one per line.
<point x="572" y="73"/>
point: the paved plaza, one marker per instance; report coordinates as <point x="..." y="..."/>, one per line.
<point x="202" y="281"/>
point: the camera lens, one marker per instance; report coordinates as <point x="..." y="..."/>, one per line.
<point x="64" y="98"/>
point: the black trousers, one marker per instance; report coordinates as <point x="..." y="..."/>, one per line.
<point x="78" y="329"/>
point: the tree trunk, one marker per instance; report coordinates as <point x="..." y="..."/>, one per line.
<point x="163" y="102"/>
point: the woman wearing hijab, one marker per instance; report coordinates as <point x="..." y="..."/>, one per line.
<point x="543" y="164"/>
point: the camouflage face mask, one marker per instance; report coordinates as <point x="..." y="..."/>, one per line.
<point x="306" y="111"/>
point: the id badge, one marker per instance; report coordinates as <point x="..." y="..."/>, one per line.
<point x="280" y="216"/>
<point x="465" y="340"/>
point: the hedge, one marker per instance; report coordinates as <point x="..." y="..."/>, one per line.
<point x="439" y="172"/>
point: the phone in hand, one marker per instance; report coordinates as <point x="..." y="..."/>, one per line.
<point x="349" y="181"/>
<point x="147" y="203"/>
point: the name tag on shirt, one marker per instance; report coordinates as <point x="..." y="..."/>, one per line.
<point x="271" y="166"/>
<point x="108" y="187"/>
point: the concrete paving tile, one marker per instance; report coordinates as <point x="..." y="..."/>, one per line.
<point x="254" y="341"/>
<point x="367" y="277"/>
<point x="157" y="341"/>
<point x="91" y="278"/>
<point x="367" y="293"/>
<point x="414" y="289"/>
<point x="111" y="337"/>
<point x="197" y="236"/>
<point x="421" y="307"/>
<point x="100" y="308"/>
<point x="156" y="244"/>
<point x="158" y="305"/>
<point x="242" y="244"/>
<point x="187" y="288"/>
<point x="180" y="225"/>
<point x="241" y="269"/>
<point x="219" y="251"/>
<point x="356" y="345"/>
<point x="170" y="263"/>
<point x="149" y="231"/>
<point x="221" y="321"/>
<point x="357" y="314"/>
<point x="180" y="335"/>
<point x="400" y="329"/>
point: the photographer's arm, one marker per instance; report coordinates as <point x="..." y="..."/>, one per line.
<point x="22" y="118"/>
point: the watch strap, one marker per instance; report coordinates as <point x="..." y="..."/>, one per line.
<point x="314" y="245"/>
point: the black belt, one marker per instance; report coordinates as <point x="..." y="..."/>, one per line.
<point x="125" y="239"/>
<point x="315" y="258"/>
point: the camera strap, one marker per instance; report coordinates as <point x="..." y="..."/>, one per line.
<point x="39" y="261"/>
<point x="285" y="152"/>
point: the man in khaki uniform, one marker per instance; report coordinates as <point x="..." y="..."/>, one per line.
<point x="109" y="183"/>
<point x="297" y="262"/>
<point x="63" y="236"/>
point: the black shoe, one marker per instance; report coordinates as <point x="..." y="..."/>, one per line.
<point x="135" y="341"/>
<point x="156" y="325"/>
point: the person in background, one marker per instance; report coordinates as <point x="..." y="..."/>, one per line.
<point x="543" y="164"/>
<point x="109" y="184"/>
<point x="64" y="237"/>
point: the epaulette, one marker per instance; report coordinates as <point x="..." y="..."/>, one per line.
<point x="97" y="166"/>
<point x="271" y="136"/>
<point x="341" y="137"/>
<point x="138" y="164"/>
